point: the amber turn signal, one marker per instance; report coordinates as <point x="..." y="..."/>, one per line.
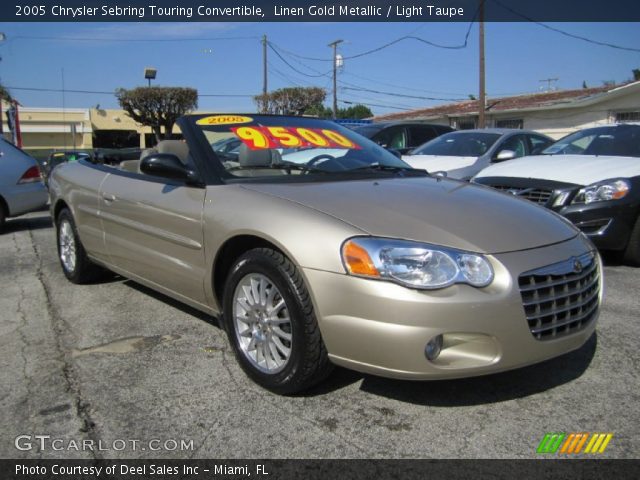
<point x="357" y="260"/>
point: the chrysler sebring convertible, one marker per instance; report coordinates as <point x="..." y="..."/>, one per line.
<point x="316" y="247"/>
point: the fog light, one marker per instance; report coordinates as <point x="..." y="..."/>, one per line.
<point x="433" y="348"/>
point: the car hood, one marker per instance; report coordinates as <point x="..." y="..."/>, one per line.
<point x="438" y="211"/>
<point x="437" y="163"/>
<point x="577" y="169"/>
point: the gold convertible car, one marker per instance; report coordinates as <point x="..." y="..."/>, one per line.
<point x="317" y="247"/>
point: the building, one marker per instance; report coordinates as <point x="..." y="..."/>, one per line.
<point x="47" y="129"/>
<point x="556" y="113"/>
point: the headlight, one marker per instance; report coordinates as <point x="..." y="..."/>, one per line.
<point x="415" y="265"/>
<point x="603" y="191"/>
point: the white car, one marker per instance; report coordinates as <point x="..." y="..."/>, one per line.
<point x="592" y="177"/>
<point x="464" y="153"/>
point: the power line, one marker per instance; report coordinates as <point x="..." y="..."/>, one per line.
<point x="389" y="44"/>
<point x="401" y="86"/>
<point x="374" y="105"/>
<point x="566" y="34"/>
<point x="94" y="92"/>
<point x="394" y="94"/>
<point x="373" y="99"/>
<point x="294" y="68"/>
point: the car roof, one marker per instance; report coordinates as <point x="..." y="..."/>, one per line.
<point x="404" y="122"/>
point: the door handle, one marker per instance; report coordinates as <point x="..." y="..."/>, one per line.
<point x="108" y="197"/>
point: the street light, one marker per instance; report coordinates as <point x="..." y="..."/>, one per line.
<point x="150" y="74"/>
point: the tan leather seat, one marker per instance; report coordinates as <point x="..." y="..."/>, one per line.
<point x="130" y="166"/>
<point x="175" y="147"/>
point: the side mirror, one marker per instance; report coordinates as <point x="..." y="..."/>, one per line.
<point x="439" y="173"/>
<point x="167" y="165"/>
<point x="505" y="155"/>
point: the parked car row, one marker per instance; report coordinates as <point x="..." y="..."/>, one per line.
<point x="591" y="177"/>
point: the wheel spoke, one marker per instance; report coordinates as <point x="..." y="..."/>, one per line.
<point x="279" y="320"/>
<point x="274" y="353"/>
<point x="254" y="291"/>
<point x="276" y="308"/>
<point x="282" y="334"/>
<point x="262" y="290"/>
<point x="284" y="350"/>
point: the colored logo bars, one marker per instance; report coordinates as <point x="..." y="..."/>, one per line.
<point x="573" y="443"/>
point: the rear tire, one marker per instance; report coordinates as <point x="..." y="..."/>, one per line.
<point x="632" y="252"/>
<point x="73" y="258"/>
<point x="3" y="214"/>
<point x="271" y="325"/>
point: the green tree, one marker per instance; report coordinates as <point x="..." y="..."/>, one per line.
<point x="357" y="111"/>
<point x="290" y="101"/>
<point x="636" y="74"/>
<point x="158" y="107"/>
<point x="4" y="94"/>
<point x="319" y="111"/>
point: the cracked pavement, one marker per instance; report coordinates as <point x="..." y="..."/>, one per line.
<point x="116" y="361"/>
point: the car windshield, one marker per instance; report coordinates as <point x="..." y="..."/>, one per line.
<point x="620" y="141"/>
<point x="459" y="144"/>
<point x="279" y="146"/>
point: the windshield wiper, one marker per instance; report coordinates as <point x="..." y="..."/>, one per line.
<point x="377" y="167"/>
<point x="287" y="166"/>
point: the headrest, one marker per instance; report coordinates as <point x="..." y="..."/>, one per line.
<point x="257" y="158"/>
<point x="174" y="147"/>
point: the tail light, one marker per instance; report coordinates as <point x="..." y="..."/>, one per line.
<point x="32" y="175"/>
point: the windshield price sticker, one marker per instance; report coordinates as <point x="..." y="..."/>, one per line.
<point x="223" y="120"/>
<point x="257" y="138"/>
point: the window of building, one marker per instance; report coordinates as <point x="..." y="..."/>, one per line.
<point x="623" y="117"/>
<point x="510" y="123"/>
<point x="465" y="123"/>
<point x="151" y="141"/>
<point x="116" y="139"/>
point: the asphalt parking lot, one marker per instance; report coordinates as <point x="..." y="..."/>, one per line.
<point x="114" y="362"/>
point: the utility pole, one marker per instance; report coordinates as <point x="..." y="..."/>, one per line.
<point x="334" y="45"/>
<point x="264" y="65"/>
<point x="482" y="95"/>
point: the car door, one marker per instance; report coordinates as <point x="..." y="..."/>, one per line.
<point x="154" y="230"/>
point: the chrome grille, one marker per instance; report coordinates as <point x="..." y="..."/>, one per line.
<point x="562" y="298"/>
<point x="536" y="195"/>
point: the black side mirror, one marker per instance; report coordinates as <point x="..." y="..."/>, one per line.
<point x="167" y="165"/>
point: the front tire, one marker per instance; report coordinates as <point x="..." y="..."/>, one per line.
<point x="271" y="323"/>
<point x="632" y="252"/>
<point x="73" y="258"/>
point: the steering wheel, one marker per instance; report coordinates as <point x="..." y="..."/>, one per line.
<point x="318" y="158"/>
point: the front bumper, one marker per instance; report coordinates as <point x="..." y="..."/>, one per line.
<point x="381" y="328"/>
<point x="607" y="224"/>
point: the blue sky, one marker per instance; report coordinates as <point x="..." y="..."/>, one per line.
<point x="519" y="55"/>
